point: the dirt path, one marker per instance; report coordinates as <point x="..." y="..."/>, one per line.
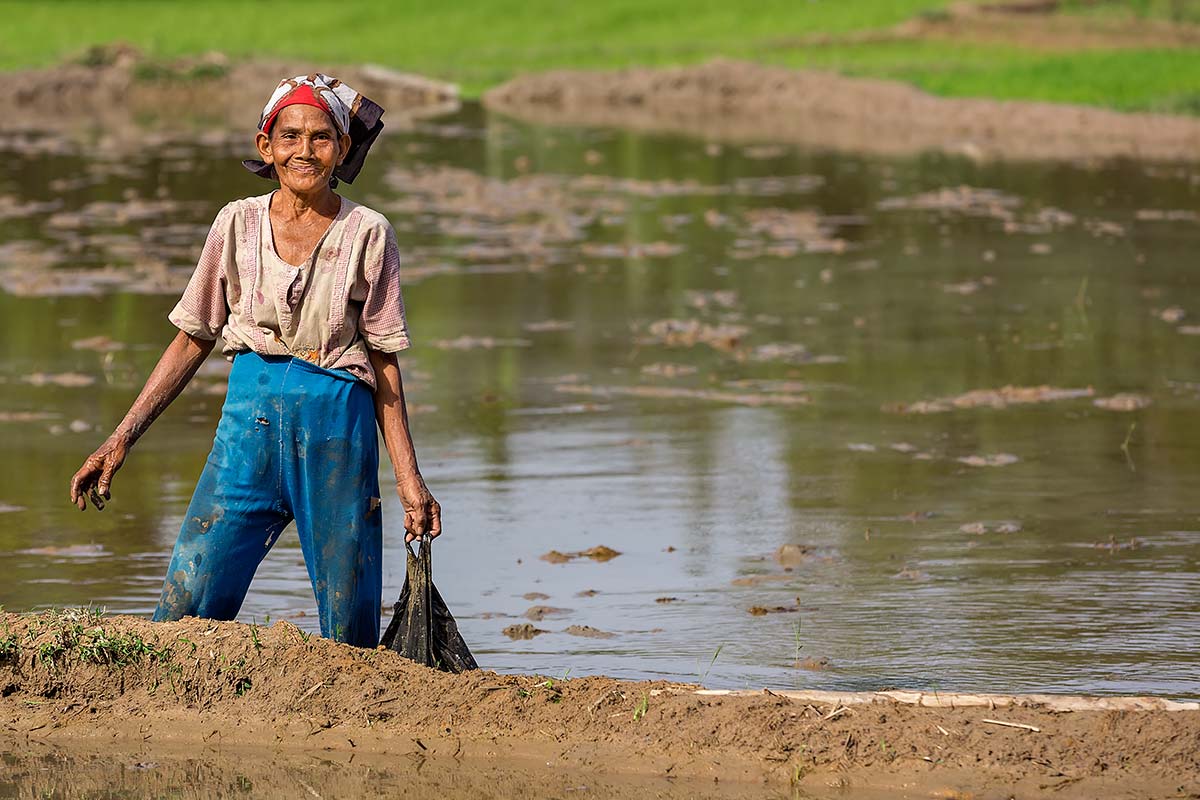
<point x="737" y="101"/>
<point x="81" y="680"/>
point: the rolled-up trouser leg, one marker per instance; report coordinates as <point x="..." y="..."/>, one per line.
<point x="237" y="510"/>
<point x="331" y="483"/>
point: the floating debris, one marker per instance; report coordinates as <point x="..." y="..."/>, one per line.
<point x="967" y="200"/>
<point x="680" y="393"/>
<point x="667" y="600"/>
<point x="64" y="379"/>
<point x="598" y="553"/>
<point x="791" y="352"/>
<point x="539" y="613"/>
<point x="760" y="611"/>
<point x="994" y="460"/>
<point x="991" y="398"/>
<point x="667" y="370"/>
<point x="478" y="343"/>
<point x="807" y="228"/>
<point x="722" y="298"/>
<point x="755" y="580"/>
<point x="793" y="555"/>
<point x="980" y="528"/>
<point x="813" y="664"/>
<point x="1166" y="215"/>
<point x="100" y="344"/>
<point x="522" y="631"/>
<point x="587" y="593"/>
<point x="68" y="551"/>
<point x="1113" y="546"/>
<point x="690" y="332"/>
<point x="909" y="574"/>
<point x="26" y="416"/>
<point x="1172" y="315"/>
<point x="535" y="596"/>
<point x="548" y="326"/>
<point x="634" y="250"/>
<point x="1125" y="401"/>
<point x="588" y="632"/>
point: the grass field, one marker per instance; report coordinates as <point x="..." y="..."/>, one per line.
<point x="480" y="43"/>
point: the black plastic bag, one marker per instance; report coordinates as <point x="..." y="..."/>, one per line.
<point x="423" y="629"/>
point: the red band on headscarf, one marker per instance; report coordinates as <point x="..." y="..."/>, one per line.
<point x="302" y="95"/>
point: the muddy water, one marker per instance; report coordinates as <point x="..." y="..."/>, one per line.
<point x="694" y="355"/>
<point x="41" y="771"/>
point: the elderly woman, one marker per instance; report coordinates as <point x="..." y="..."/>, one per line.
<point x="303" y="286"/>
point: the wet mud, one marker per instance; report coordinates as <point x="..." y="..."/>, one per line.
<point x="75" y="679"/>
<point x="118" y="88"/>
<point x="738" y="102"/>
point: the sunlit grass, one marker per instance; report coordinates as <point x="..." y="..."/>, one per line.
<point x="481" y="44"/>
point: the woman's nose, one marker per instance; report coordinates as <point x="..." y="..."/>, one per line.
<point x="306" y="146"/>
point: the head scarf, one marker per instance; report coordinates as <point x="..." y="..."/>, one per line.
<point x="352" y="114"/>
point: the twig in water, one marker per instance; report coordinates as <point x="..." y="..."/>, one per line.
<point x="710" y="663"/>
<point x="1125" y="447"/>
<point x="1020" y="725"/>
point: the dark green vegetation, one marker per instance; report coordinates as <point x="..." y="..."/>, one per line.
<point x="480" y="44"/>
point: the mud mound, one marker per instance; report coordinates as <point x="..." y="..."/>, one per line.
<point x="737" y="101"/>
<point x="116" y="88"/>
<point x="70" y="676"/>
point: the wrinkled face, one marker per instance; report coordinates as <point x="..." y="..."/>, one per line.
<point x="304" y="147"/>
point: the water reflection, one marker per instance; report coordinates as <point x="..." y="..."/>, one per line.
<point x="552" y="412"/>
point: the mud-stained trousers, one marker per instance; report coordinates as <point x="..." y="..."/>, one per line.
<point x="295" y="441"/>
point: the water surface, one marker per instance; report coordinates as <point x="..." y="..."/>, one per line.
<point x="551" y="279"/>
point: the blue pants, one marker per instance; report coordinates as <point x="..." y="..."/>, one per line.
<point x="295" y="441"/>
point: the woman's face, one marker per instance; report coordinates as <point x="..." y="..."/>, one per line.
<point x="304" y="147"/>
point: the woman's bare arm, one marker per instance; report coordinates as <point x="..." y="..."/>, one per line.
<point x="422" y="514"/>
<point x="175" y="368"/>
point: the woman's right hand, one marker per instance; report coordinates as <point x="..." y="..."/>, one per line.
<point x="94" y="479"/>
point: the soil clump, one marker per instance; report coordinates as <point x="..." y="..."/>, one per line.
<point x="75" y="677"/>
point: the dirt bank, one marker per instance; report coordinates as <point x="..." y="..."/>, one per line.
<point x="115" y="88"/>
<point x="74" y="678"/>
<point x="738" y="101"/>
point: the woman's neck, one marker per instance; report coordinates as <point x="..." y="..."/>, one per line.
<point x="290" y="205"/>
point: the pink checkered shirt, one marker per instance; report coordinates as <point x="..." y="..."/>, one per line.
<point x="344" y="299"/>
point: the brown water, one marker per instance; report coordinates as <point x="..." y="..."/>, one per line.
<point x="43" y="772"/>
<point x="537" y="263"/>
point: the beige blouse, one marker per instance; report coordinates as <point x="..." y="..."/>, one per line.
<point x="344" y="299"/>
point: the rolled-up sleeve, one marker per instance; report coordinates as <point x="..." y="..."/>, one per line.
<point x="382" y="322"/>
<point x="203" y="309"/>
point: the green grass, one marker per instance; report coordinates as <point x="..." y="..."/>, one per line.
<point x="476" y="42"/>
<point x="479" y="43"/>
<point x="1153" y="80"/>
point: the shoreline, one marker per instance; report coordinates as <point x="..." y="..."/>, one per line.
<point x="75" y="679"/>
<point x="128" y="96"/>
<point x="741" y="102"/>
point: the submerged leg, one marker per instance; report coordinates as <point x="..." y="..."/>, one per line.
<point x="331" y="481"/>
<point x="236" y="512"/>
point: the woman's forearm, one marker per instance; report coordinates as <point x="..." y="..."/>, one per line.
<point x="175" y="368"/>
<point x="392" y="415"/>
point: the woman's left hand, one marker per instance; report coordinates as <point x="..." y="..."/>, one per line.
<point x="422" y="514"/>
